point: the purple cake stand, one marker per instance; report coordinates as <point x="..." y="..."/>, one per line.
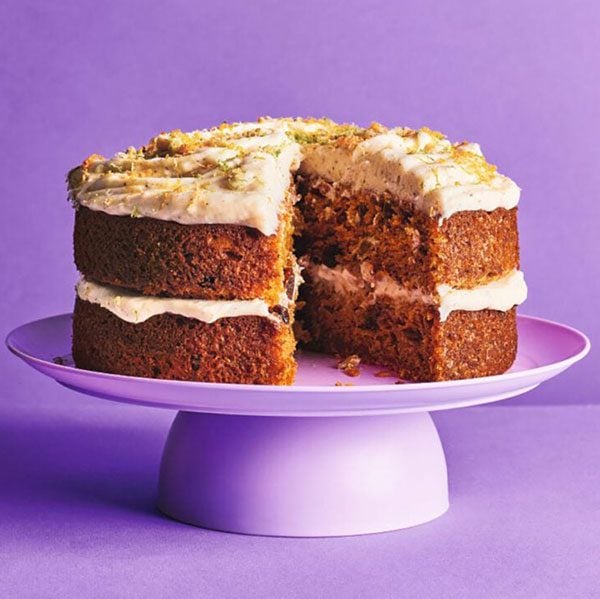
<point x="313" y="459"/>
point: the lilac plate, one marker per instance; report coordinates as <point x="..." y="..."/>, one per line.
<point x="230" y="465"/>
<point x="545" y="349"/>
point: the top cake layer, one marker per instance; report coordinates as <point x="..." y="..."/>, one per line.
<point x="240" y="173"/>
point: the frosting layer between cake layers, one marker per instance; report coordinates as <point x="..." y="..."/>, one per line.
<point x="501" y="294"/>
<point x="136" y="308"/>
<point x="240" y="173"/>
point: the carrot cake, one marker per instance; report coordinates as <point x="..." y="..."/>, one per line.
<point x="193" y="249"/>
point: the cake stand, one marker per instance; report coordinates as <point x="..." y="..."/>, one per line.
<point x="313" y="459"/>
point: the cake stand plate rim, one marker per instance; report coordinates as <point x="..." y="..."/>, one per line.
<point x="299" y="400"/>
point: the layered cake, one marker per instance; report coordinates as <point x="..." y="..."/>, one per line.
<point x="193" y="250"/>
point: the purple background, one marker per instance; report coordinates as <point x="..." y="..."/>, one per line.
<point x="78" y="475"/>
<point x="518" y="77"/>
<point x="78" y="516"/>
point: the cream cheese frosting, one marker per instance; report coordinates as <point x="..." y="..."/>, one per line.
<point x="136" y="308"/>
<point x="501" y="294"/>
<point x="438" y="177"/>
<point x="241" y="173"/>
<point x="244" y="184"/>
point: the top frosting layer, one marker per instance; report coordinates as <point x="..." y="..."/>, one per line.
<point x="419" y="166"/>
<point x="240" y="173"/>
<point x="238" y="177"/>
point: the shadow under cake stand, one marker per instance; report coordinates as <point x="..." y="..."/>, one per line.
<point x="313" y="459"/>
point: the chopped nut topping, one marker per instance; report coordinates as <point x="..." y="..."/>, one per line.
<point x="384" y="374"/>
<point x="350" y="365"/>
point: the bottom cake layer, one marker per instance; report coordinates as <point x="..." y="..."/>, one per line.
<point x="408" y="337"/>
<point x="240" y="349"/>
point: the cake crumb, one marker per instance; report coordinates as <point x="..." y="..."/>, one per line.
<point x="340" y="384"/>
<point x="385" y="374"/>
<point x="350" y="365"/>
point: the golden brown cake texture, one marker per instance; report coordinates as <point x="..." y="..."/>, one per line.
<point x="192" y="261"/>
<point x="469" y="248"/>
<point x="409" y="244"/>
<point x="407" y="337"/>
<point x="245" y="349"/>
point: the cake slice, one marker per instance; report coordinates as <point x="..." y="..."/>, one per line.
<point x="185" y="248"/>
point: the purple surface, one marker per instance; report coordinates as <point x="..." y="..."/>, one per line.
<point x="77" y="475"/>
<point x="516" y="76"/>
<point x="78" y="485"/>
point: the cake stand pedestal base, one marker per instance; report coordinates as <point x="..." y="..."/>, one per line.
<point x="303" y="476"/>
